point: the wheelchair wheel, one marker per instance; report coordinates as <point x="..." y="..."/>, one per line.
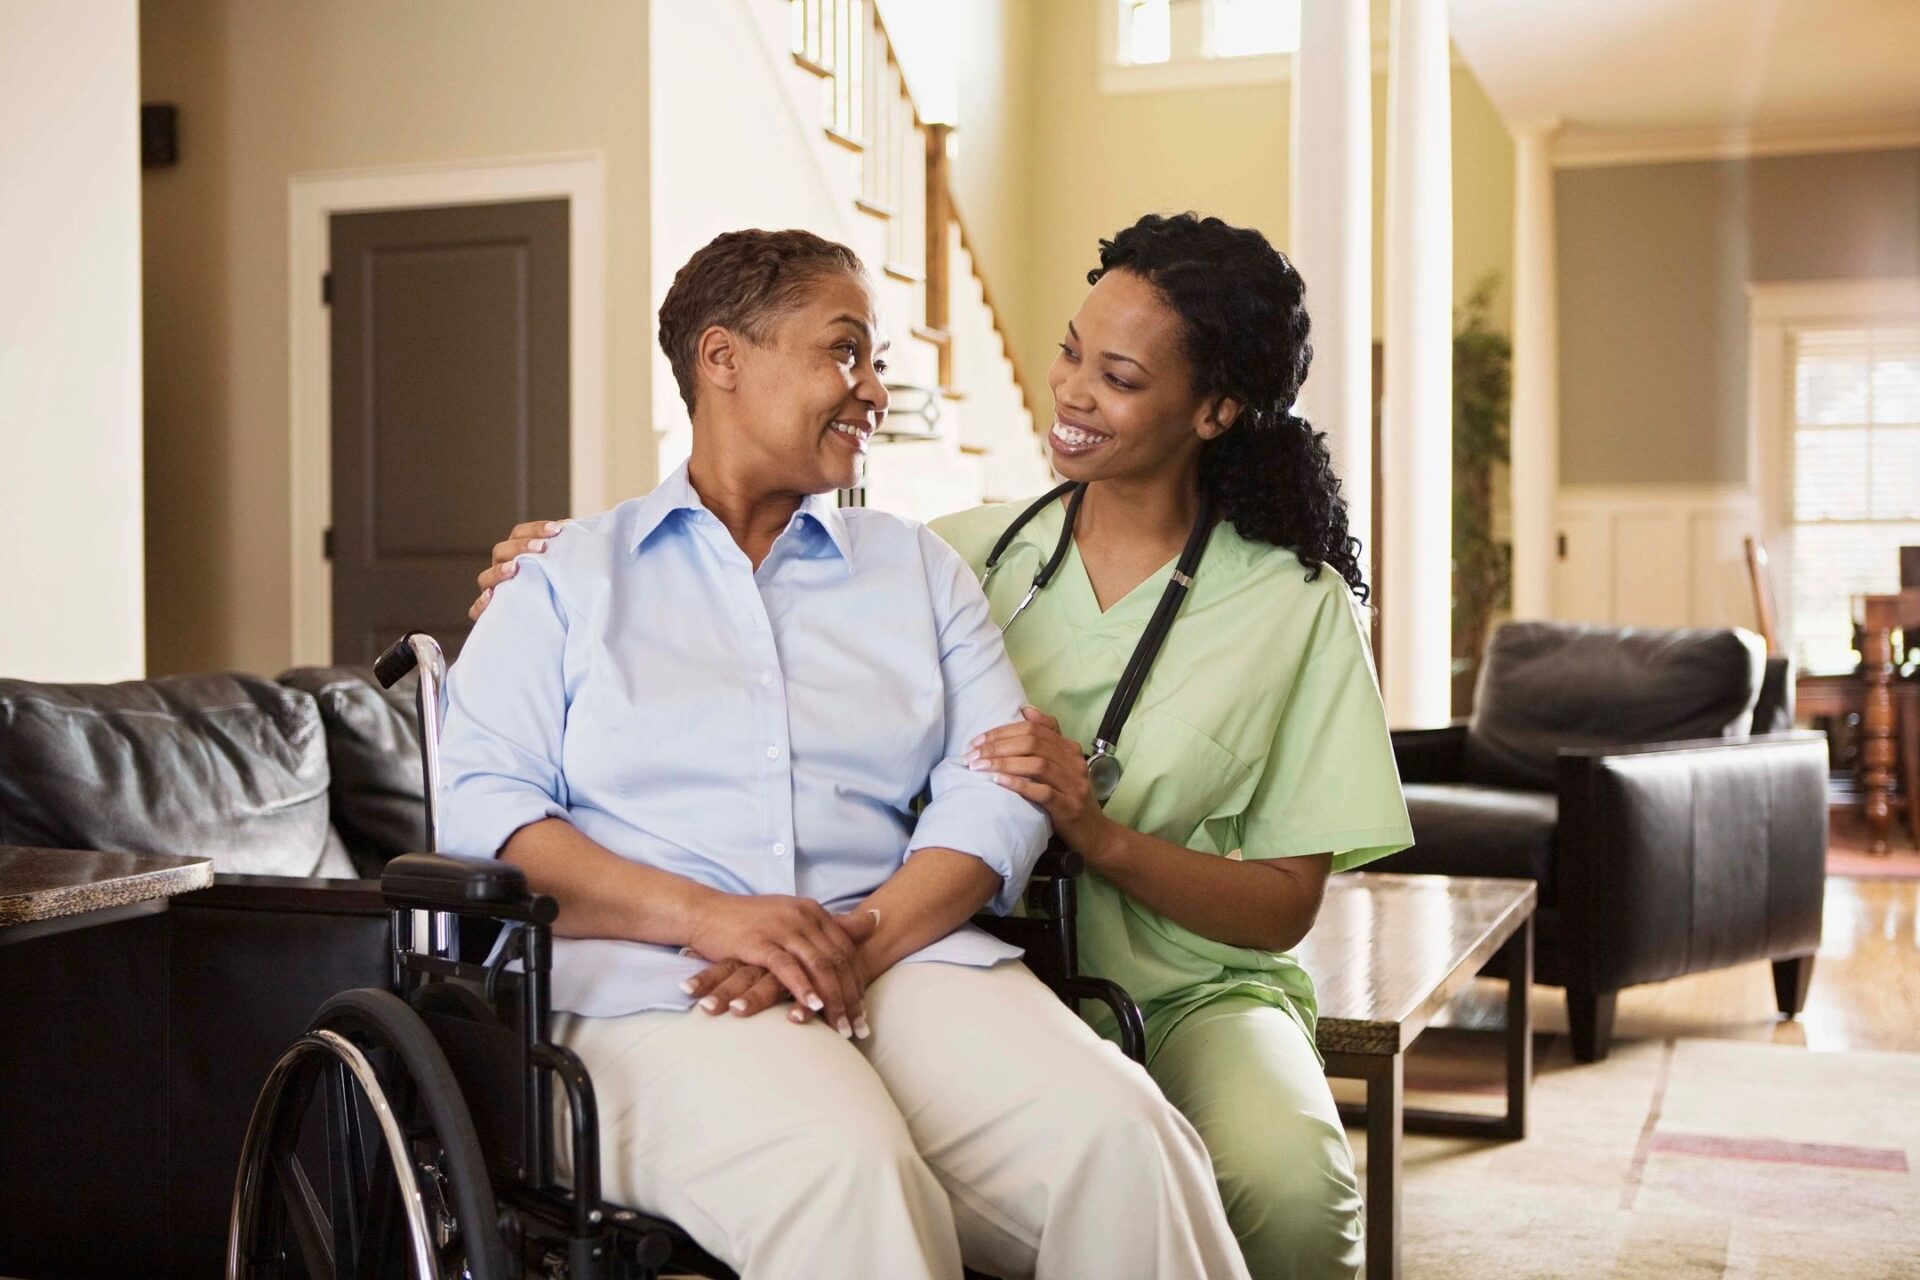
<point x="361" y="1161"/>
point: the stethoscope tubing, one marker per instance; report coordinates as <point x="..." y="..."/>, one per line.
<point x="1103" y="767"/>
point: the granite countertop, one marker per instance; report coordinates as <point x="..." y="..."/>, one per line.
<point x="41" y="884"/>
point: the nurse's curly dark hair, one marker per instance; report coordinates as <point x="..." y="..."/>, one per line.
<point x="1242" y="310"/>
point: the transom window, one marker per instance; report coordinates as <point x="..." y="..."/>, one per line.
<point x="1170" y="43"/>
<point x="1855" y="495"/>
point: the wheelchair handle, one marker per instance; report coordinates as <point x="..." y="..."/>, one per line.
<point x="418" y="650"/>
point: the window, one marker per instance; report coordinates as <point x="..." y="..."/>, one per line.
<point x="1854" y="460"/>
<point x="1170" y="44"/>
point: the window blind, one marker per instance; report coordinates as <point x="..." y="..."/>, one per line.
<point x="1856" y="478"/>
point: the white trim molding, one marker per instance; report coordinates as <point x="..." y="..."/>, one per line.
<point x="1578" y="148"/>
<point x="1775" y="310"/>
<point x="312" y="198"/>
<point x="1655" y="555"/>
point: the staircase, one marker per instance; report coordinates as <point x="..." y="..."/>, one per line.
<point x="950" y="357"/>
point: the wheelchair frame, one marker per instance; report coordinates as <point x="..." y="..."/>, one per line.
<point x="490" y="1023"/>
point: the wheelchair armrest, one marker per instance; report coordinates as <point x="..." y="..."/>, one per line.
<point x="466" y="886"/>
<point x="1133" y="1027"/>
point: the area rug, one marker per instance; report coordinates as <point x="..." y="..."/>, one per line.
<point x="1674" y="1160"/>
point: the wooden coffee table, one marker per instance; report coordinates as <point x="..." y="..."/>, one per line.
<point x="1387" y="954"/>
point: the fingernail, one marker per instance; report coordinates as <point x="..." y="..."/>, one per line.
<point x="875" y="913"/>
<point x="538" y="544"/>
<point x="711" y="1004"/>
<point x="861" y="1029"/>
<point x="973" y="755"/>
<point x="687" y="986"/>
<point x="846" y="1029"/>
<point x="551" y="526"/>
<point x="795" y="1016"/>
<point x="1003" y="779"/>
<point x="739" y="1006"/>
<point x="977" y="741"/>
<point x="510" y="568"/>
<point x="815" y="1003"/>
<point x="979" y="766"/>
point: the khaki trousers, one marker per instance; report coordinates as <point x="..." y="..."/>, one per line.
<point x="983" y="1121"/>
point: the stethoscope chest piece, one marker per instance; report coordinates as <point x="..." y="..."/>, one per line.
<point x="1103" y="771"/>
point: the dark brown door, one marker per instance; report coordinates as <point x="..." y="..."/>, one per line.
<point x="449" y="407"/>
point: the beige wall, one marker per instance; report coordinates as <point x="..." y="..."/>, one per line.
<point x="1101" y="160"/>
<point x="70" y="446"/>
<point x="268" y="89"/>
<point x="1654" y="263"/>
<point x="993" y="164"/>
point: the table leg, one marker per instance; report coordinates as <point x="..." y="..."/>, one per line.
<point x="1519" y="1029"/>
<point x="1910" y="755"/>
<point x="1876" y="721"/>
<point x="1384" y="1095"/>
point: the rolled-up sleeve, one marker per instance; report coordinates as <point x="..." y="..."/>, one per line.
<point x="969" y="812"/>
<point x="501" y="749"/>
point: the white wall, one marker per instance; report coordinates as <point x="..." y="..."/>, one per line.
<point x="71" y="563"/>
<point x="1668" y="555"/>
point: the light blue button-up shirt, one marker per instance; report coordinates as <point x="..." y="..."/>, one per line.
<point x="758" y="732"/>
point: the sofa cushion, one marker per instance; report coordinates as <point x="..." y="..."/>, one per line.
<point x="373" y="750"/>
<point x="230" y="767"/>
<point x="1549" y="685"/>
<point x="1479" y="831"/>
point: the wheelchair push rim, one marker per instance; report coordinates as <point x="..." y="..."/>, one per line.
<point x="382" y="1207"/>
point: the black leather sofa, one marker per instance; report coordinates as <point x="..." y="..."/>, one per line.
<point x="130" y="1054"/>
<point x="1651" y="783"/>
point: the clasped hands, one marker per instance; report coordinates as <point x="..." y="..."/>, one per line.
<point x="766" y="949"/>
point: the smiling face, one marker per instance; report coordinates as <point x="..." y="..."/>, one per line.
<point x="1124" y="401"/>
<point x="804" y="402"/>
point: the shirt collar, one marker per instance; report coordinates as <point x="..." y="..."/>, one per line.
<point x="676" y="493"/>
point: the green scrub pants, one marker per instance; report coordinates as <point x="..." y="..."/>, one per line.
<point x="1244" y="1074"/>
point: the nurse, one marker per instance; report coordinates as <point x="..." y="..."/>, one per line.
<point x="1256" y="757"/>
<point x="1252" y="754"/>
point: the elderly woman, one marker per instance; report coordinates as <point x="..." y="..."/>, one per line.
<point x="699" y="721"/>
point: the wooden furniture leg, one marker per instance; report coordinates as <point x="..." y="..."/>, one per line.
<point x="1910" y="755"/>
<point x="1384" y="1101"/>
<point x="1876" y="749"/>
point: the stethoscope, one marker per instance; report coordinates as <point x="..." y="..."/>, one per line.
<point x="1103" y="767"/>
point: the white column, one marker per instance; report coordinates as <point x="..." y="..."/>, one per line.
<point x="1330" y="208"/>
<point x="1536" y="374"/>
<point x="1417" y="406"/>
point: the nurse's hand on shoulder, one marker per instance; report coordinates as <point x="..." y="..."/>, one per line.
<point x="529" y="538"/>
<point x="1032" y="757"/>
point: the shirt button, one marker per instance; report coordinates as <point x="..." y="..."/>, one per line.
<point x="773" y="753"/>
<point x="779" y="850"/>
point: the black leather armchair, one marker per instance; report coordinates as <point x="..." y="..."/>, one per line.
<point x="1621" y="769"/>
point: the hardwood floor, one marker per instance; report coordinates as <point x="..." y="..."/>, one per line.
<point x="1865" y="994"/>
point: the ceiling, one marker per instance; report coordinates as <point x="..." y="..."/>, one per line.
<point x="1630" y="73"/>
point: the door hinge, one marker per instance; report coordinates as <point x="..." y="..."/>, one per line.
<point x="326" y="543"/>
<point x="326" y="288"/>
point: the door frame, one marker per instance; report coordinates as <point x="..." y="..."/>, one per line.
<point x="312" y="199"/>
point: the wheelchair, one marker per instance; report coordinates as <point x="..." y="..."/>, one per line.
<point x="411" y="1131"/>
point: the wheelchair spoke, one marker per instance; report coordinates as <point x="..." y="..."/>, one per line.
<point x="346" y="1169"/>
<point x="311" y="1231"/>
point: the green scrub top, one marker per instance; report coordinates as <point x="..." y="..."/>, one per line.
<point x="1259" y="734"/>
